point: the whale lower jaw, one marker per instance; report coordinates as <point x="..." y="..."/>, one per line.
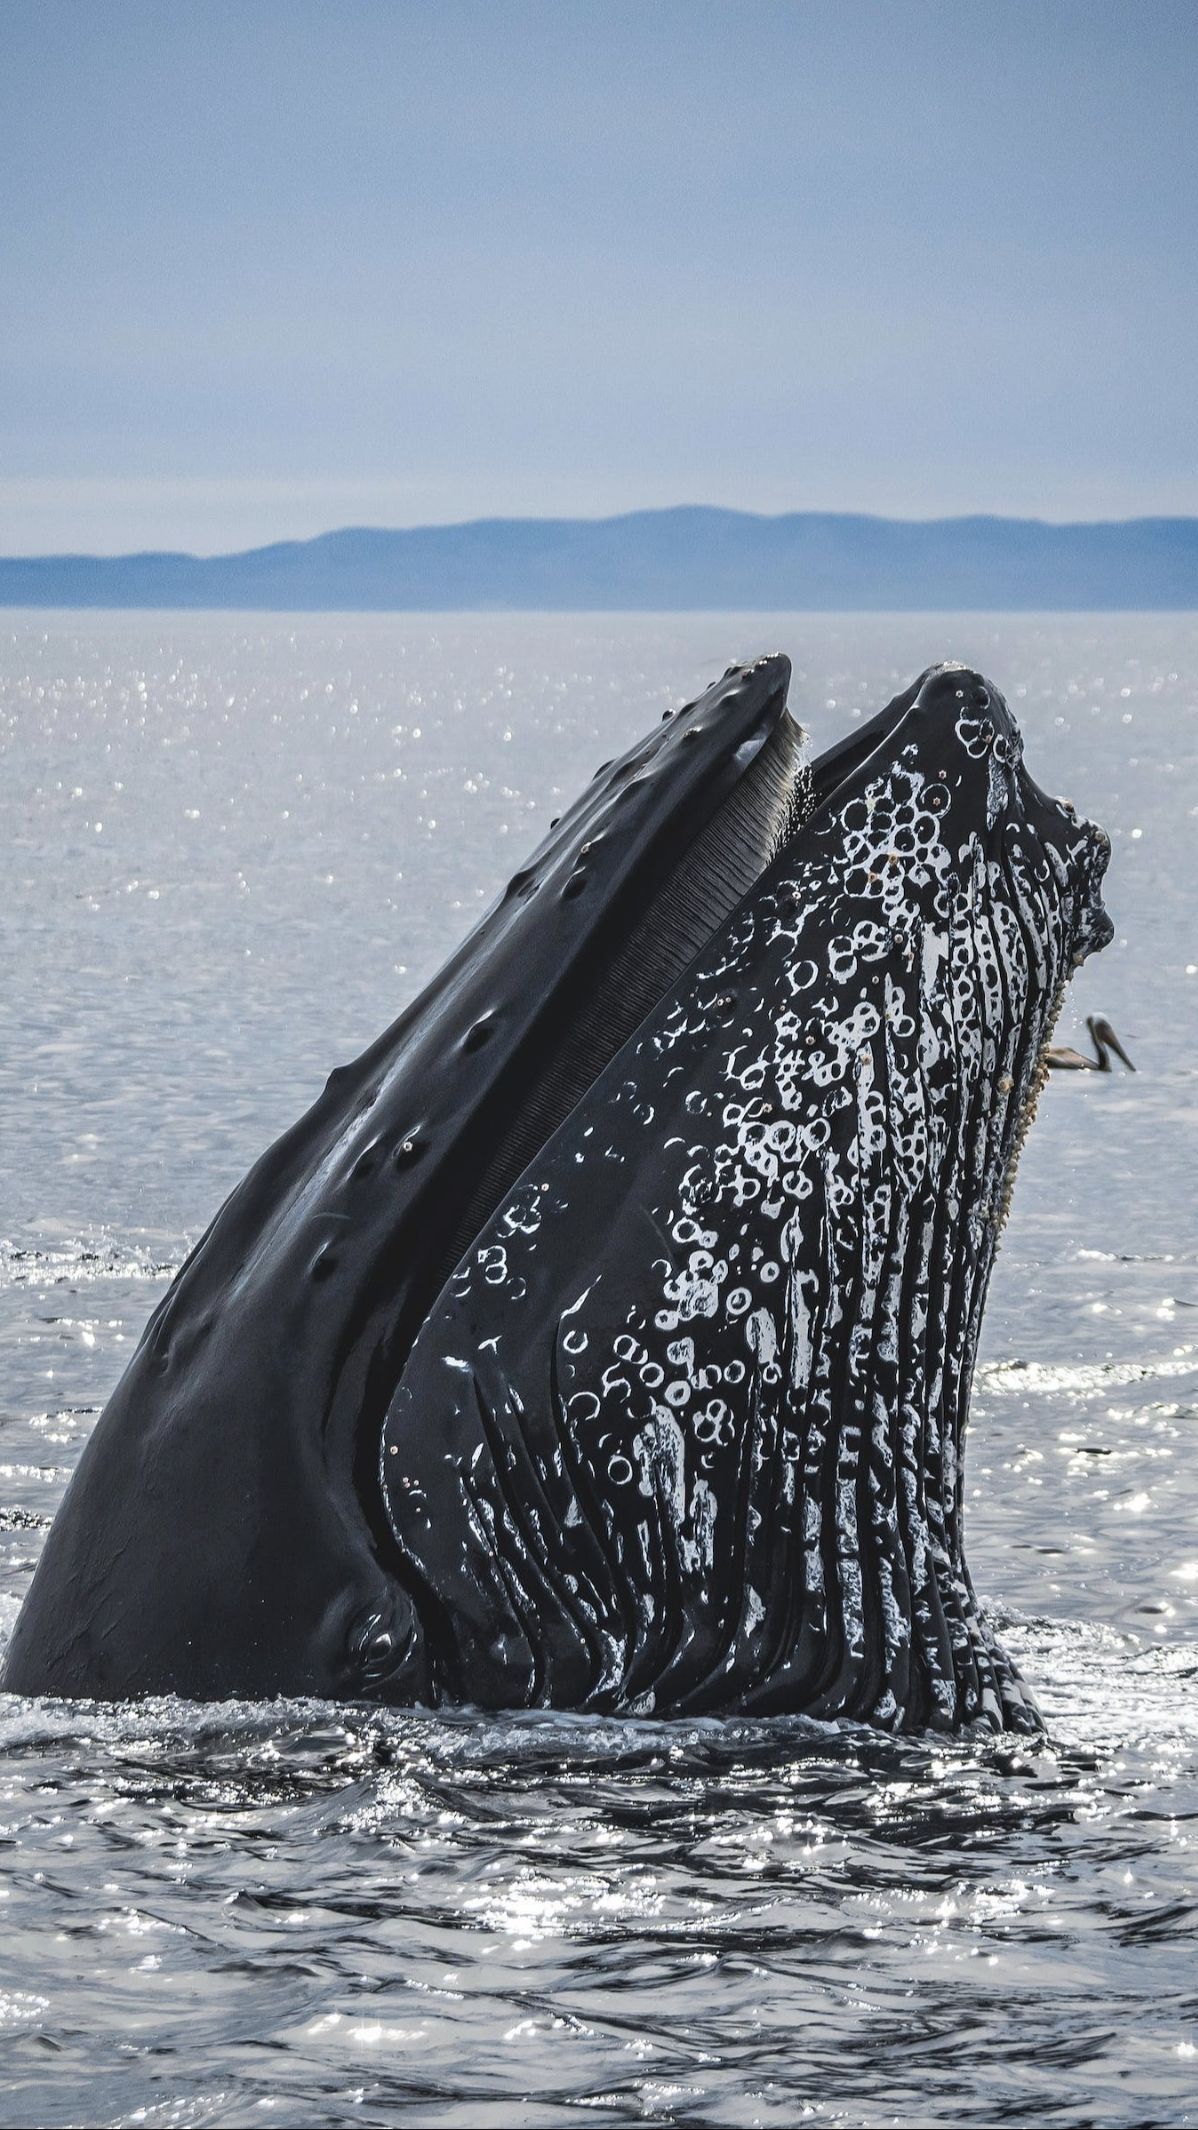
<point x="684" y="1433"/>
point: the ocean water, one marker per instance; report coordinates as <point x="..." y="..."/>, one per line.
<point x="231" y="847"/>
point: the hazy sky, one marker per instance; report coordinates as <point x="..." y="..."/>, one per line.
<point x="270" y="267"/>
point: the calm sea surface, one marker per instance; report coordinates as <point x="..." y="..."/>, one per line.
<point x="230" y="848"/>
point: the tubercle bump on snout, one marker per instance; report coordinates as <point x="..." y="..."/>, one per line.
<point x="956" y="693"/>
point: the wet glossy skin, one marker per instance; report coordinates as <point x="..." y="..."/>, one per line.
<point x="223" y="1533"/>
<point x="684" y="1428"/>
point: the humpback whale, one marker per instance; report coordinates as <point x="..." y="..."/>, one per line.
<point x="602" y="1337"/>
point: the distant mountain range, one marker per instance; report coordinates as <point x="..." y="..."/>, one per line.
<point x="691" y="557"/>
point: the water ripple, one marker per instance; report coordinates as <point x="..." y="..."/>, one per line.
<point x="330" y="1915"/>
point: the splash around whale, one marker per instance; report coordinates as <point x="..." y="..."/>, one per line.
<point x="602" y="1337"/>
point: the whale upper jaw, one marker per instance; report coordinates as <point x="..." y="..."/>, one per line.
<point x="239" y="1523"/>
<point x="223" y="1533"/>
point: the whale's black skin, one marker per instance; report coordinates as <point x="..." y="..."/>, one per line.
<point x="603" y="1337"/>
<point x="223" y="1534"/>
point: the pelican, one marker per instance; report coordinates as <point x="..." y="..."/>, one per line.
<point x="1104" y="1039"/>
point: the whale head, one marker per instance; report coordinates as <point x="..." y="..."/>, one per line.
<point x="602" y="1337"/>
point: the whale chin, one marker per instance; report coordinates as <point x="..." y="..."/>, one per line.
<point x="602" y="1337"/>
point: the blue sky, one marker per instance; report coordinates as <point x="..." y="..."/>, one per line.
<point x="271" y="267"/>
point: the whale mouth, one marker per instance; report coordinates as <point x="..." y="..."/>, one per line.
<point x="640" y="957"/>
<point x="640" y="965"/>
<point x="705" y="880"/>
<point x="704" y="871"/>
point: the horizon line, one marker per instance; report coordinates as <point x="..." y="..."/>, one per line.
<point x="619" y="517"/>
